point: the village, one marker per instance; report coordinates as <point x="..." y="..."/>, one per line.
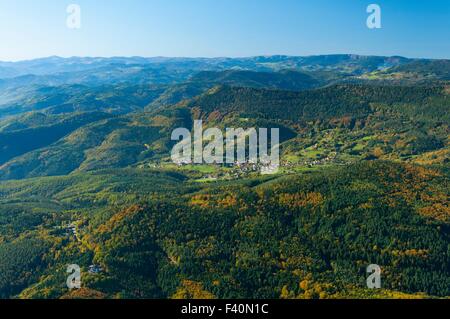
<point x="71" y="230"/>
<point x="237" y="170"/>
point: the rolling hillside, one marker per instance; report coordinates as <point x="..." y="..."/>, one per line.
<point x="86" y="178"/>
<point x="130" y="139"/>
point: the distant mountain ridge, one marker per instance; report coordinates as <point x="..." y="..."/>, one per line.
<point x="54" y="65"/>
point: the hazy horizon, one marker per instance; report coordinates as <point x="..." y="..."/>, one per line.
<point x="414" y="29"/>
<point x="215" y="57"/>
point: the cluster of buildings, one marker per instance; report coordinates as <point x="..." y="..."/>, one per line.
<point x="95" y="269"/>
<point x="72" y="229"/>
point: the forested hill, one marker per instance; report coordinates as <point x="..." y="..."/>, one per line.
<point x="439" y="69"/>
<point x="86" y="178"/>
<point x="322" y="104"/>
<point x="130" y="139"/>
<point x="287" y="80"/>
<point x="297" y="236"/>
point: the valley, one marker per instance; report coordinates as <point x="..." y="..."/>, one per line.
<point x="86" y="178"/>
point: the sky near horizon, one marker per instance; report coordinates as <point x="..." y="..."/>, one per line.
<point x="216" y="28"/>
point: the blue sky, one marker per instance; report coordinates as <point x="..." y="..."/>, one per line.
<point x="211" y="28"/>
